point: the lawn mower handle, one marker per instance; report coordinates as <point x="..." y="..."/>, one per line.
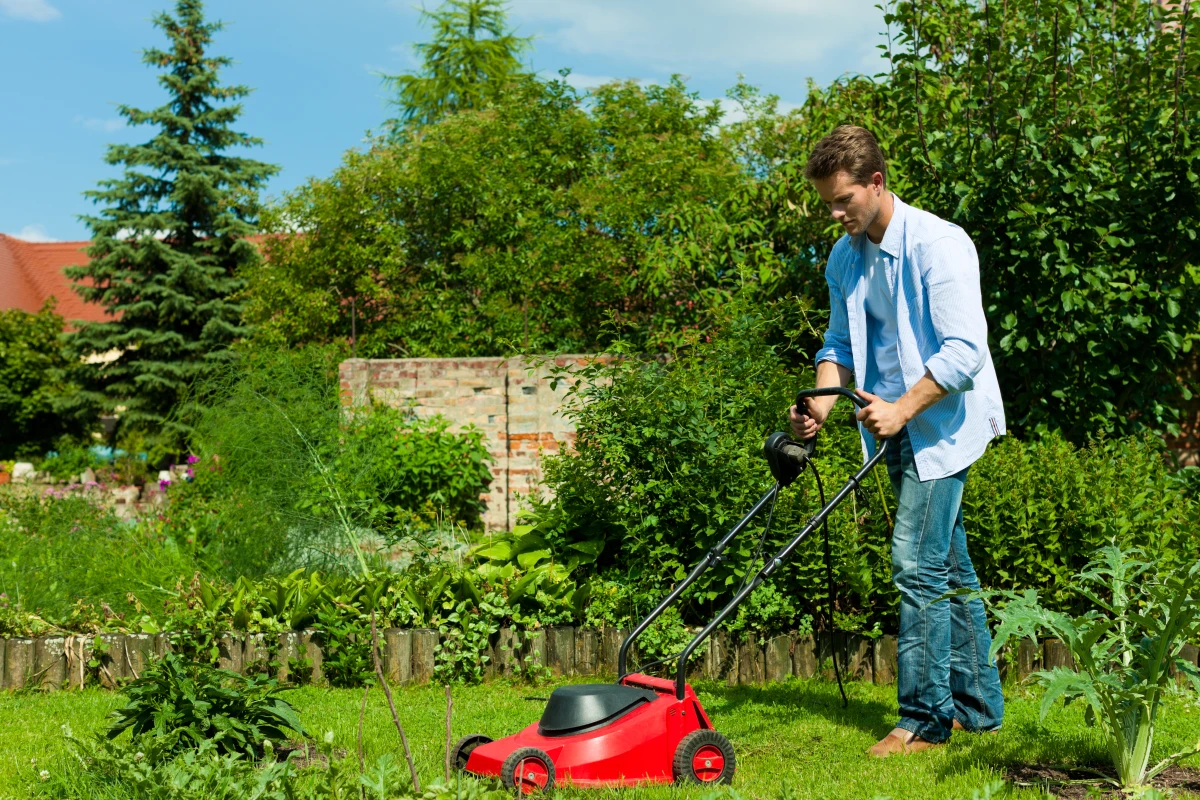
<point x="775" y="563"/>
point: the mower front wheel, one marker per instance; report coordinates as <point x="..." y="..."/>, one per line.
<point x="529" y="771"/>
<point x="462" y="749"/>
<point x="704" y="757"/>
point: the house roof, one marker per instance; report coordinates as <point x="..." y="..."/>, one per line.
<point x="32" y="272"/>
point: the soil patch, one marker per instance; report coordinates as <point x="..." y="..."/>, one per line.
<point x="1086" y="783"/>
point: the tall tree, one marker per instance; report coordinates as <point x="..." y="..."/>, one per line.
<point x="168" y="246"/>
<point x="472" y="57"/>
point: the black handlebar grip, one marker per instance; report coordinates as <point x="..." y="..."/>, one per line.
<point x="831" y="390"/>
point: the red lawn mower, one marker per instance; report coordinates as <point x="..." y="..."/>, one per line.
<point x="646" y="730"/>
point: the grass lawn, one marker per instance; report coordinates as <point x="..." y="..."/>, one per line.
<point x="792" y="739"/>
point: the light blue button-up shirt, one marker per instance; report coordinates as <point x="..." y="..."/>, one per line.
<point x="933" y="276"/>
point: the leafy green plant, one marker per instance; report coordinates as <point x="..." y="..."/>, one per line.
<point x="421" y="463"/>
<point x="187" y="703"/>
<point x="148" y="766"/>
<point x="346" y="647"/>
<point x="1124" y="649"/>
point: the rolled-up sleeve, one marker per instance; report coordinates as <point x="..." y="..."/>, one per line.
<point x="951" y="278"/>
<point x="837" y="335"/>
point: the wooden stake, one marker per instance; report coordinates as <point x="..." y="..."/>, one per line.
<point x="387" y="692"/>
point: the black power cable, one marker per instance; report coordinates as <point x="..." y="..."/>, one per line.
<point x="829" y="583"/>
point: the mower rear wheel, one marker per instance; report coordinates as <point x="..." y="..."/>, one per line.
<point x="529" y="771"/>
<point x="704" y="757"/>
<point x="464" y="746"/>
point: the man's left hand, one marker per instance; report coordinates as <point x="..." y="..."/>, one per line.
<point x="881" y="418"/>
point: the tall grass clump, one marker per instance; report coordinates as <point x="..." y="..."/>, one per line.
<point x="58" y="554"/>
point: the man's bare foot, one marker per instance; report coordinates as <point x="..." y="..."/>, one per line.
<point x="900" y="742"/>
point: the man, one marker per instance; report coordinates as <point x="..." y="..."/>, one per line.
<point x="906" y="322"/>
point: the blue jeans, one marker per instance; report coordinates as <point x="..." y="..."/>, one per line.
<point x="944" y="671"/>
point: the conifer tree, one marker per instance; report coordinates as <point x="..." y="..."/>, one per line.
<point x="170" y="243"/>
<point x="472" y="57"/>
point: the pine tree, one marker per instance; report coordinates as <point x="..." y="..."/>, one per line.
<point x="169" y="245"/>
<point x="472" y="57"/>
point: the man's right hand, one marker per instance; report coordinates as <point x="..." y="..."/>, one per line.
<point x="807" y="421"/>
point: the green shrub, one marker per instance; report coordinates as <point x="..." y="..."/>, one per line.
<point x="1037" y="511"/>
<point x="668" y="457"/>
<point x="186" y="703"/>
<point x="287" y="478"/>
<point x="33" y="388"/>
<point x="422" y="466"/>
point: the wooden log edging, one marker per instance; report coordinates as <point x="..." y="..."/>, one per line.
<point x="410" y="656"/>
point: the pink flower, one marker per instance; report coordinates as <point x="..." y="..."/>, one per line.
<point x="163" y="484"/>
<point x="192" y="460"/>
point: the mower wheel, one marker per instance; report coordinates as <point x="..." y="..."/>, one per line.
<point x="704" y="757"/>
<point x="464" y="746"/>
<point x="529" y="771"/>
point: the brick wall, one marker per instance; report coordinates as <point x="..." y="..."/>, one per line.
<point x="508" y="399"/>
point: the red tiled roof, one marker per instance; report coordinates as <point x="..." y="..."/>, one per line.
<point x="32" y="272"/>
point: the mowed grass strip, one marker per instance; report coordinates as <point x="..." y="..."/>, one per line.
<point x="793" y="739"/>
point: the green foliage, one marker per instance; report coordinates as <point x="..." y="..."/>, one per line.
<point x="141" y="768"/>
<point x="472" y="57"/>
<point x="1037" y="512"/>
<point x="1044" y="131"/>
<point x="171" y="237"/>
<point x="32" y="386"/>
<point x="423" y="465"/>
<point x="184" y="703"/>
<point x="346" y="648"/>
<point x="58" y="551"/>
<point x="1140" y="617"/>
<point x="547" y="222"/>
<point x="668" y="458"/>
<point x="147" y="767"/>
<point x="765" y="613"/>
<point x="287" y="479"/>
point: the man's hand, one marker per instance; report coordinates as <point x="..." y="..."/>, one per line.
<point x="807" y="421"/>
<point x="881" y="418"/>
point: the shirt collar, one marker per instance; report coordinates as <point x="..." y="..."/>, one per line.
<point x="893" y="237"/>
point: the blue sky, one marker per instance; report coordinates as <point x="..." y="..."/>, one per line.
<point x="66" y="64"/>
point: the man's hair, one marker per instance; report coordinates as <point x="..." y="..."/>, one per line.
<point x="849" y="149"/>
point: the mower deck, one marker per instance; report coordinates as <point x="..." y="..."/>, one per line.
<point x="630" y="739"/>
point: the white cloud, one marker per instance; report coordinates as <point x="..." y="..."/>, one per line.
<point x="30" y="10"/>
<point x="34" y="233"/>
<point x="99" y="125"/>
<point x="699" y="35"/>
<point x="583" y="82"/>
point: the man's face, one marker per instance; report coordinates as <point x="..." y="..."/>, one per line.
<point x="854" y="205"/>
